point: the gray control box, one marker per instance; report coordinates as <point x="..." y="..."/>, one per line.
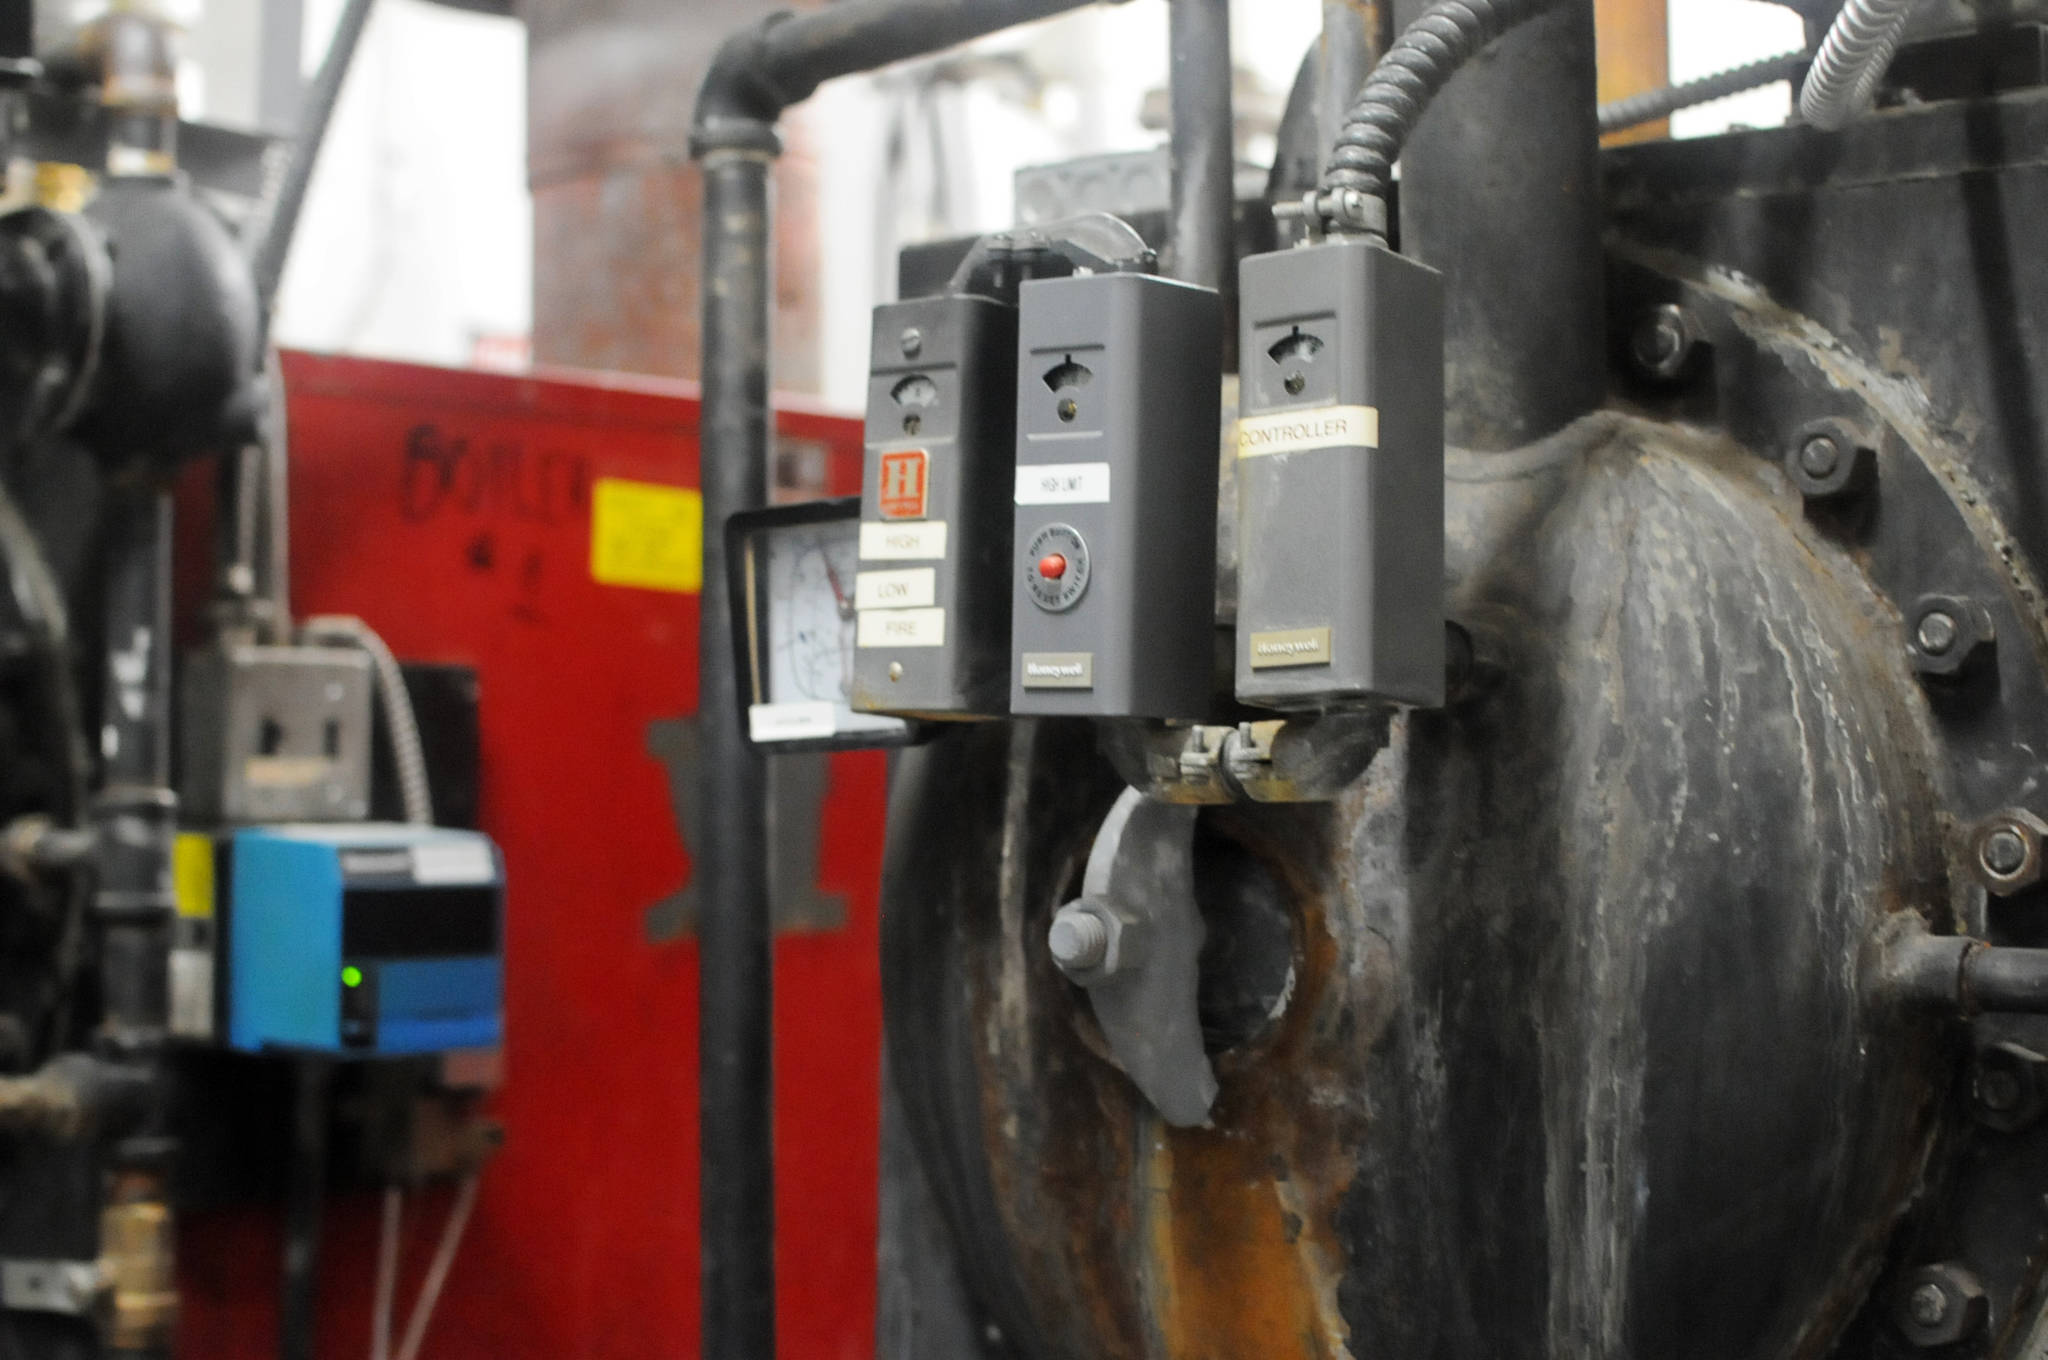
<point x="1340" y="470"/>
<point x="275" y="734"/>
<point x="932" y="592"/>
<point x="1118" y="402"/>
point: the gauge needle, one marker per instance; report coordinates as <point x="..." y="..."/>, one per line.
<point x="838" y="590"/>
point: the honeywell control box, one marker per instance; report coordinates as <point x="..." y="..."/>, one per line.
<point x="360" y="940"/>
<point x="1114" y="548"/>
<point x="932" y="593"/>
<point x="1340" y="467"/>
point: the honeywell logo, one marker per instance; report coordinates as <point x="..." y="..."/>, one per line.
<point x="1065" y="670"/>
<point x="1293" y="648"/>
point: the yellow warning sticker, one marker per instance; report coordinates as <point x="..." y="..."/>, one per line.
<point x="646" y="534"/>
<point x="192" y="875"/>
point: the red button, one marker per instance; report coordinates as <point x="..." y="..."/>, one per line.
<point x="1052" y="566"/>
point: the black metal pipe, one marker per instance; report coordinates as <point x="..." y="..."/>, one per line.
<point x="2003" y="979"/>
<point x="1500" y="189"/>
<point x="278" y="222"/>
<point x="756" y="74"/>
<point x="305" y="1199"/>
<point x="734" y="1029"/>
<point x="1201" y="233"/>
<point x="1354" y="36"/>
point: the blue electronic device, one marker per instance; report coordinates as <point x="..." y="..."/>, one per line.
<point x="361" y="940"/>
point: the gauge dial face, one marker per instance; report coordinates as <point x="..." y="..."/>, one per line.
<point x="809" y="620"/>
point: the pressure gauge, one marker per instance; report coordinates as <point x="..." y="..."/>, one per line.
<point x="793" y="574"/>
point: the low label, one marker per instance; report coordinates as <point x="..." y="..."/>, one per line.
<point x="903" y="542"/>
<point x="791" y="722"/>
<point x="1331" y="427"/>
<point x="1291" y="647"/>
<point x="1063" y="484"/>
<point x="903" y="484"/>
<point x="1059" y="670"/>
<point x="646" y="534"/>
<point x="901" y="628"/>
<point x="905" y="588"/>
<point x="453" y="862"/>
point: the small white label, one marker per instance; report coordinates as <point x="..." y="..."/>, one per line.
<point x="792" y="722"/>
<point x="902" y="628"/>
<point x="907" y="542"/>
<point x="1063" y="484"/>
<point x="1326" y="427"/>
<point x="903" y="589"/>
<point x="453" y="862"/>
<point x="192" y="993"/>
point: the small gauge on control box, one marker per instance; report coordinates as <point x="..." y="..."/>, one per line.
<point x="792" y="572"/>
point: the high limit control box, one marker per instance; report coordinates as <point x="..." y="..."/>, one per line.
<point x="1340" y="466"/>
<point x="1114" y="546"/>
<point x="932" y="594"/>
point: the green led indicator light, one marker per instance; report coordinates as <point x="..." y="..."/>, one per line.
<point x="351" y="976"/>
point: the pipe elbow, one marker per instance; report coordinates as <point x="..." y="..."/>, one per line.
<point x="741" y="100"/>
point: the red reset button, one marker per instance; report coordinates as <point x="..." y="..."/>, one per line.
<point x="1052" y="566"/>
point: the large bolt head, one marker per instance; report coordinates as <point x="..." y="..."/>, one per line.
<point x="1949" y="634"/>
<point x="1662" y="342"/>
<point x="2009" y="851"/>
<point x="2006" y="1086"/>
<point x="1940" y="1305"/>
<point x="1831" y="459"/>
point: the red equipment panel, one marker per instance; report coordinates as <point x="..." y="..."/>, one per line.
<point x="453" y="511"/>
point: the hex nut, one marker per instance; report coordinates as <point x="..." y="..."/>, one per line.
<point x="1947" y="635"/>
<point x="1831" y="459"/>
<point x="1992" y="847"/>
<point x="2006" y="1086"/>
<point x="1940" y="1305"/>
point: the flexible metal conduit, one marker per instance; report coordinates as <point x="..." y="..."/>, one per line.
<point x="756" y="74"/>
<point x="1651" y="105"/>
<point x="1421" y="62"/>
<point x="1852" y="59"/>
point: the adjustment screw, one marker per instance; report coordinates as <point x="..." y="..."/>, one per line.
<point x="1830" y="459"/>
<point x="913" y="343"/>
<point x="1936" y="634"/>
<point x="1079" y="940"/>
<point x="1662" y="343"/>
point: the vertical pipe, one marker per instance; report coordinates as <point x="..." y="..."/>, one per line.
<point x="734" y="1034"/>
<point x="1500" y="189"/>
<point x="1202" y="240"/>
<point x="306" y="1197"/>
<point x="136" y="811"/>
<point x="1354" y="35"/>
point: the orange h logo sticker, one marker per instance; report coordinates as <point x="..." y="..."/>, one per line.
<point x="903" y="488"/>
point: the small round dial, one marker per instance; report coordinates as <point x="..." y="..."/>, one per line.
<point x="1056" y="567"/>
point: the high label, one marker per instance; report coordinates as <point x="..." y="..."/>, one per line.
<point x="903" y="542"/>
